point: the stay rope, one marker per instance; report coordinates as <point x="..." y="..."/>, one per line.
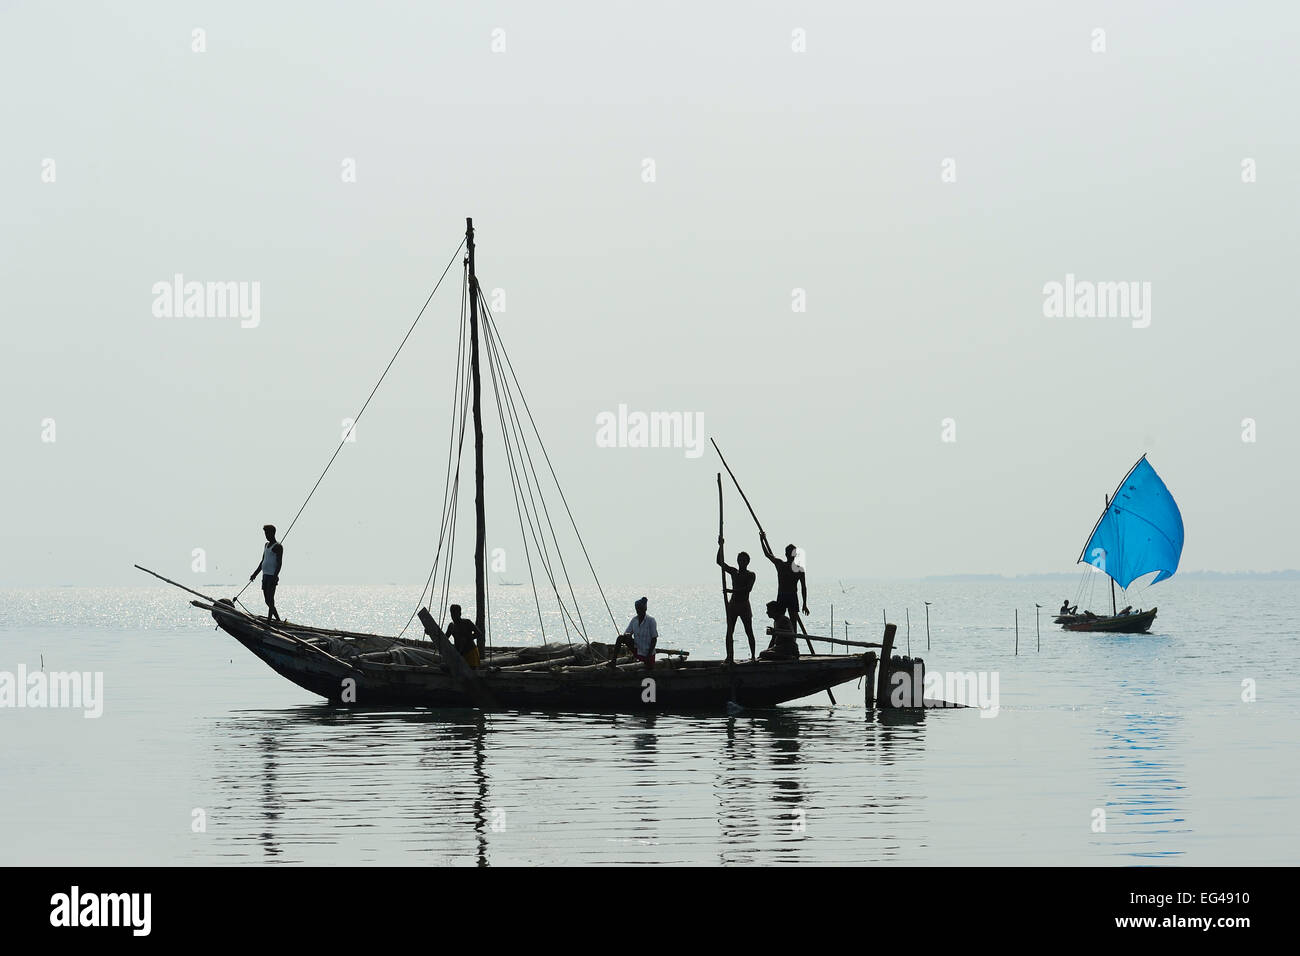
<point x="366" y="404"/>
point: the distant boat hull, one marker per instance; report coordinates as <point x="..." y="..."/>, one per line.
<point x="1115" y="624"/>
<point x="678" y="686"/>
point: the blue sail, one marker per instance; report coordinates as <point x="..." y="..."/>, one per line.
<point x="1140" y="531"/>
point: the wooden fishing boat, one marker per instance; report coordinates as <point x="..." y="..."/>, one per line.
<point x="357" y="669"/>
<point x="1136" y="622"/>
<point x="366" y="670"/>
<point x="1140" y="531"/>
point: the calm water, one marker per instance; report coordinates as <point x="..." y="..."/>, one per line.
<point x="1151" y="729"/>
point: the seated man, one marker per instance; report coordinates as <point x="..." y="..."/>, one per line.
<point x="464" y="635"/>
<point x="641" y="636"/>
<point x="1127" y="610"/>
<point x="1065" y="607"/>
<point x="782" y="646"/>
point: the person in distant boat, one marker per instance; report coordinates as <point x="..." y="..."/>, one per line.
<point x="788" y="579"/>
<point x="641" y="637"/>
<point x="742" y="582"/>
<point x="1127" y="610"/>
<point x="782" y="646"/>
<point x="1066" y="609"/>
<point x="269" y="568"/>
<point x="1089" y="615"/>
<point x="464" y="634"/>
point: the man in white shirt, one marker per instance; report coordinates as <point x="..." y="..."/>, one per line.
<point x="269" y="569"/>
<point x="641" y="636"/>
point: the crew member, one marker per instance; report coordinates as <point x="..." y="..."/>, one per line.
<point x="640" y="636"/>
<point x="269" y="568"/>
<point x="788" y="580"/>
<point x="742" y="582"/>
<point x="464" y="635"/>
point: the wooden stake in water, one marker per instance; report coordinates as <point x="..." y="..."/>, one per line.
<point x="927" y="625"/>
<point x="1017" y="632"/>
<point x="1037" y="628"/>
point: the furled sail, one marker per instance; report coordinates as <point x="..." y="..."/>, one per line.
<point x="1140" y="531"/>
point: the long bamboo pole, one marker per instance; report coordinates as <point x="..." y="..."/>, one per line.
<point x="175" y="584"/>
<point x="726" y="610"/>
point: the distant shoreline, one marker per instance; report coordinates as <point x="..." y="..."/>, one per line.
<point x="1288" y="575"/>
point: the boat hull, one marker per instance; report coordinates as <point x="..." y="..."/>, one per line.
<point x="671" y="686"/>
<point x="1116" y="624"/>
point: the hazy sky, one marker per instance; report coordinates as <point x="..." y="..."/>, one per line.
<point x="774" y="170"/>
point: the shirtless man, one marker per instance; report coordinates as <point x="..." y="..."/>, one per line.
<point x="787" y="581"/>
<point x="782" y="646"/>
<point x="742" y="582"/>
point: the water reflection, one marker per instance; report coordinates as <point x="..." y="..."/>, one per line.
<point x="272" y="806"/>
<point x="1145" y="804"/>
<point x="784" y="785"/>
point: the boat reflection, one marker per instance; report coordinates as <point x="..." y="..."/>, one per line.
<point x="473" y="788"/>
<point x="1145" y="804"/>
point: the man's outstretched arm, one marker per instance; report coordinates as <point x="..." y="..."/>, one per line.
<point x="722" y="562"/>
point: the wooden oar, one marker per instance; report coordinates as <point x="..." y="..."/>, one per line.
<point x="761" y="534"/>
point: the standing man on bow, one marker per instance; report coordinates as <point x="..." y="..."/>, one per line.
<point x="269" y="568"/>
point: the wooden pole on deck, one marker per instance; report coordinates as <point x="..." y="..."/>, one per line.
<point x="723" y="571"/>
<point x="726" y="610"/>
<point x="882" y="672"/>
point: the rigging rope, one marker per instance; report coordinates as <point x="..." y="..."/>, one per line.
<point x="366" y="404"/>
<point x="542" y="445"/>
<point x="513" y="455"/>
<point x="450" y="491"/>
<point x="526" y="456"/>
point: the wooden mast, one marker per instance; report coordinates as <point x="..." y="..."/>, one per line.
<point x="480" y="532"/>
<point x="1113" y="606"/>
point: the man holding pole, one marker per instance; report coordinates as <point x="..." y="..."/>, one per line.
<point x="788" y="580"/>
<point x="742" y="582"/>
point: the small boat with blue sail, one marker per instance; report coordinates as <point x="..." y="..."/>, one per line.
<point x="1139" y="532"/>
